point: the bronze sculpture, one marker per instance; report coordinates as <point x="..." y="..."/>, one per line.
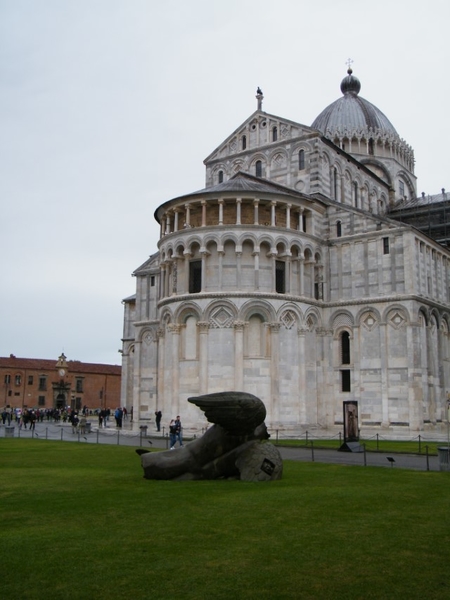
<point x="234" y="447"/>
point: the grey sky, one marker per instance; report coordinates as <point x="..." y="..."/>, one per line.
<point x="108" y="108"/>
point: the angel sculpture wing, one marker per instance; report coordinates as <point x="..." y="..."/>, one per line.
<point x="238" y="413"/>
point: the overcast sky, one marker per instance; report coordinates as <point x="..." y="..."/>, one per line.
<point x="108" y="108"/>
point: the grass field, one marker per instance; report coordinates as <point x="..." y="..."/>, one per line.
<point x="79" y="521"/>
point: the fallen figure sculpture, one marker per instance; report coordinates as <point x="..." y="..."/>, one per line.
<point x="234" y="447"/>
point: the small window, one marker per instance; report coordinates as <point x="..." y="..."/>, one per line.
<point x="274" y="134"/>
<point x="42" y="383"/>
<point x="244" y="142"/>
<point x="385" y="245"/>
<point x="318" y="290"/>
<point x="339" y="229"/>
<point x="335" y="184"/>
<point x="195" y="276"/>
<point x="301" y="160"/>
<point x="258" y="168"/>
<point x="280" y="276"/>
<point x="7" y="379"/>
<point x="355" y="191"/>
<point x="371" y="147"/>
<point x="79" y="386"/>
<point x="152" y="281"/>
<point x="345" y="380"/>
<point x="18" y="379"/>
<point x="401" y="186"/>
<point x="345" y="348"/>
<point x="30" y="379"/>
<point x="220" y="176"/>
<point x="41" y="400"/>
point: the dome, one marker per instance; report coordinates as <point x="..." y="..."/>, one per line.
<point x="351" y="113"/>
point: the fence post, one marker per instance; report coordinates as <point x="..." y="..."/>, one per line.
<point x="62" y="431"/>
<point x="428" y="462"/>
<point x="312" y="450"/>
<point x="46" y="433"/>
<point x="365" y="457"/>
<point x="306" y="436"/>
<point x="97" y="434"/>
<point x="377" y="441"/>
<point x="420" y="446"/>
<point x="118" y="434"/>
<point x="340" y="439"/>
<point x="277" y="436"/>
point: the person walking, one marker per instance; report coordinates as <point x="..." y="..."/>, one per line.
<point x="179" y="430"/>
<point x="172" y="434"/>
<point x="158" y="417"/>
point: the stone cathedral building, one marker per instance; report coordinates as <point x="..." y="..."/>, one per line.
<point x="288" y="277"/>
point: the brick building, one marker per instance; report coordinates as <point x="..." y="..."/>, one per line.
<point x="42" y="383"/>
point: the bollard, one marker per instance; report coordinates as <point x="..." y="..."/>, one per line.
<point x="312" y="450"/>
<point x="428" y="462"/>
<point x="420" y="447"/>
<point x="377" y="441"/>
<point x="365" y="456"/>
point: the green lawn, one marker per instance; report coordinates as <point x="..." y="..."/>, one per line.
<point x="79" y="521"/>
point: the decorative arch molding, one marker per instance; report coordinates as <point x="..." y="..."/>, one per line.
<point x="396" y="316"/>
<point x="289" y="315"/>
<point x="149" y="335"/>
<point x="247" y="237"/>
<point x="278" y="152"/>
<point x="227" y="237"/>
<point x="406" y="177"/>
<point x="435" y="313"/>
<point x="220" y="314"/>
<point x="368" y="317"/>
<point x="185" y="310"/>
<point x="342" y="318"/>
<point x="166" y="316"/>
<point x="379" y="165"/>
<point x="257" y="307"/>
<point x="281" y="239"/>
<point x="312" y="319"/>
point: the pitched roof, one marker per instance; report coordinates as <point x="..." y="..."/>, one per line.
<point x="43" y="364"/>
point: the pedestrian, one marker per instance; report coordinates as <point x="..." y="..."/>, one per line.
<point x="118" y="415"/>
<point x="82" y="424"/>
<point x="158" y="415"/>
<point x="172" y="434"/>
<point x="179" y="430"/>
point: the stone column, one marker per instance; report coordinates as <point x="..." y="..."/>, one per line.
<point x="204" y="256"/>
<point x="168" y="224"/>
<point x="300" y="220"/>
<point x="203" y="203"/>
<point x="301" y="280"/>
<point x="188" y="215"/>
<point x="175" y="374"/>
<point x="302" y="391"/>
<point x="203" y="327"/>
<point x="256" y="216"/>
<point x="275" y="370"/>
<point x="288" y="272"/>
<point x="220" y="211"/>
<point x="239" y="355"/>
<point x="288" y="216"/>
<point x="175" y="222"/>
<point x="187" y="255"/>
<point x="255" y="254"/>
<point x="160" y="349"/>
<point x="273" y="256"/>
<point x="238" y="210"/>
<point x="273" y="206"/>
<point x="220" y="254"/>
<point x="238" y="267"/>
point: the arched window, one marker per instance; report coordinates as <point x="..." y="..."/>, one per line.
<point x="345" y="348"/>
<point x="244" y="142"/>
<point x="301" y="160"/>
<point x="258" y="168"/>
<point x="339" y="229"/>
<point x="220" y="176"/>
<point x="189" y="338"/>
<point x="274" y="134"/>
<point x="355" y="191"/>
<point x="371" y="147"/>
<point x="335" y="184"/>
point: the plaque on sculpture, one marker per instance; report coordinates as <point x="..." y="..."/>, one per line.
<point x="235" y="446"/>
